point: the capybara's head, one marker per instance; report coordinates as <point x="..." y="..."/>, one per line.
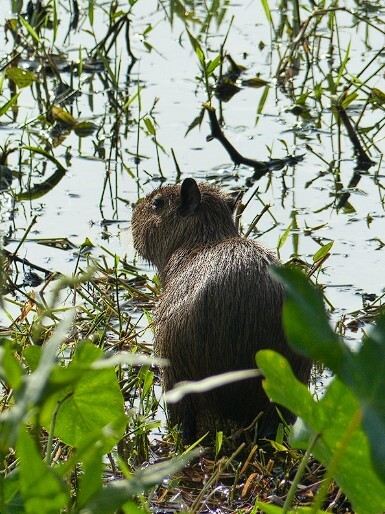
<point x="182" y="216"/>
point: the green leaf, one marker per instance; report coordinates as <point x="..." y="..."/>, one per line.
<point x="343" y="64"/>
<point x="22" y="78"/>
<point x="284" y="236"/>
<point x="323" y="251"/>
<point x="266" y="9"/>
<point x="377" y="96"/>
<point x="90" y="481"/>
<point x="29" y="28"/>
<point x="197" y="48"/>
<point x="85" y="128"/>
<point x="212" y="65"/>
<point x="306" y="322"/>
<point x="341" y="442"/>
<point x="150" y="126"/>
<point x="64" y="117"/>
<point x="254" y="82"/>
<point x="91" y="403"/>
<point x="34" y="388"/>
<point x="11" y="496"/>
<point x="42" y="490"/>
<point x="348" y="99"/>
<point x="49" y="156"/>
<point x="366" y="378"/>
<point x="10" y="369"/>
<point x="4" y="108"/>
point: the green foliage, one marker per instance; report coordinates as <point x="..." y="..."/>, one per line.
<point x="347" y="423"/>
<point x="22" y="78"/>
<point x="77" y="402"/>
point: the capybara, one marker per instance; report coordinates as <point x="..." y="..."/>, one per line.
<point x="219" y="305"/>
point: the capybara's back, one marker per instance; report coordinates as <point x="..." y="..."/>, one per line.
<point x="219" y="305"/>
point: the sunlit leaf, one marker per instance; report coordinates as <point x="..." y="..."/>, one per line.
<point x="150" y="126"/>
<point x="197" y="48"/>
<point x="29" y="29"/>
<point x="4" y="108"/>
<point x="81" y="411"/>
<point x="212" y="65"/>
<point x="284" y="236"/>
<point x="22" y="78"/>
<point x="348" y="99"/>
<point x="324" y="250"/>
<point x="10" y="370"/>
<point x="64" y="117"/>
<point x="377" y="96"/>
<point x="266" y="9"/>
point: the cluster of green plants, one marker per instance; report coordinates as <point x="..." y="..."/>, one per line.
<point x="66" y="425"/>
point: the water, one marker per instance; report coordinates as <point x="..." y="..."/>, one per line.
<point x="79" y="205"/>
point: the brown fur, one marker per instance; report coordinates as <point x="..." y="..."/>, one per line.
<point x="219" y="305"/>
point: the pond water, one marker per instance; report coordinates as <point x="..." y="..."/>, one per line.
<point x="119" y="162"/>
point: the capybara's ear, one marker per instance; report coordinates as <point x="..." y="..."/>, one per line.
<point x="190" y="197"/>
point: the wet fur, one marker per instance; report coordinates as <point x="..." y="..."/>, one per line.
<point x="219" y="305"/>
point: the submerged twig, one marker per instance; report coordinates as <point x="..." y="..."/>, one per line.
<point x="260" y="167"/>
<point x="362" y="156"/>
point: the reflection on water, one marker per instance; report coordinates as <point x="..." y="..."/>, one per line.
<point x="127" y="99"/>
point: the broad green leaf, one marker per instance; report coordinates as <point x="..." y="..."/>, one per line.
<point x="42" y="490"/>
<point x="22" y="78"/>
<point x="323" y="251"/>
<point x="92" y="402"/>
<point x="366" y="378"/>
<point x="33" y="389"/>
<point x="90" y="481"/>
<point x="11" y="501"/>
<point x="306" y="322"/>
<point x="341" y="442"/>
